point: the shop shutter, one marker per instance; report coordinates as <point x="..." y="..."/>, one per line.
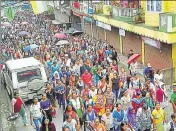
<point x="95" y="35"/>
<point x="159" y="60"/>
<point x="131" y="41"/>
<point x="113" y="38"/>
<point x="101" y="34"/>
<point x="87" y="27"/>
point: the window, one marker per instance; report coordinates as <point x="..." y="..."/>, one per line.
<point x="28" y="75"/>
<point x="107" y="2"/>
<point x="154" y="5"/>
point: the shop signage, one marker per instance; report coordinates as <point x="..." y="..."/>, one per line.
<point x="77" y="14"/>
<point x="103" y="25"/>
<point x="151" y="42"/>
<point x="88" y="19"/>
<point x="122" y="32"/>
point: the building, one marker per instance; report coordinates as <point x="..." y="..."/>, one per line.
<point x="144" y="26"/>
<point x="62" y="11"/>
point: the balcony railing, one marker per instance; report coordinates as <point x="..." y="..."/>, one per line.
<point x="83" y="8"/>
<point x="124" y="12"/>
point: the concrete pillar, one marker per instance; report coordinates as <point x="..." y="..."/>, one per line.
<point x="143" y="52"/>
<point x="174" y="60"/>
<point x="121" y="44"/>
<point x="91" y="29"/>
<point x="82" y="24"/>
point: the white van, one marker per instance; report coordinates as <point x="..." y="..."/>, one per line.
<point x="27" y="76"/>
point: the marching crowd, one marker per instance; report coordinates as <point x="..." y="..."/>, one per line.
<point x="86" y="82"/>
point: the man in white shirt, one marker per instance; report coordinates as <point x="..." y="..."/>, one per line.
<point x="92" y="92"/>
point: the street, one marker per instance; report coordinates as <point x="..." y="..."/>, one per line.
<point x="5" y="110"/>
<point x="58" y="121"/>
<point x="110" y="64"/>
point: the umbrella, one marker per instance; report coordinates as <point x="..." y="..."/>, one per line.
<point x="62" y="42"/>
<point x="24" y="23"/>
<point x="69" y="31"/>
<point x="34" y="46"/>
<point x="60" y="36"/>
<point x="23" y="33"/>
<point x="27" y="48"/>
<point x="6" y="24"/>
<point x="30" y="47"/>
<point x="77" y="33"/>
<point x="133" y="58"/>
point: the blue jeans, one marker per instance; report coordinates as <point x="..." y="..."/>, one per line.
<point x="61" y="101"/>
<point x="116" y="92"/>
<point x="36" y="122"/>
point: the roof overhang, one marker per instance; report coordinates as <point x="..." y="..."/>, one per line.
<point x="169" y="38"/>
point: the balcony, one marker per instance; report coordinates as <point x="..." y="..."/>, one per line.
<point x="83" y="8"/>
<point x="77" y="7"/>
<point x="124" y="12"/>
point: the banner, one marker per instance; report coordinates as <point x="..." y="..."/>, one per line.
<point x="152" y="42"/>
<point x="39" y="6"/>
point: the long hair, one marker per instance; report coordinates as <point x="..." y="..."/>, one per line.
<point x="44" y="125"/>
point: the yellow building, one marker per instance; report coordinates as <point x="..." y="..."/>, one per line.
<point x="154" y="39"/>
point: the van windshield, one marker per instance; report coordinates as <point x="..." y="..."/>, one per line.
<point x="28" y="75"/>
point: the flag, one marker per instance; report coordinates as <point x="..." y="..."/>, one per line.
<point x="39" y="6"/>
<point x="10" y="13"/>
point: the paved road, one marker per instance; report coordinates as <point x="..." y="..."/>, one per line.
<point x="7" y="126"/>
<point x="57" y="121"/>
<point x="4" y="110"/>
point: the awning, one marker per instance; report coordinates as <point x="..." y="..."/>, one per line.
<point x="140" y="30"/>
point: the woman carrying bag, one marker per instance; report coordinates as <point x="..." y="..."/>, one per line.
<point x="36" y="113"/>
<point x="51" y="95"/>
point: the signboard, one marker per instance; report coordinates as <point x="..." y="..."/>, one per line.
<point x="77" y="14"/>
<point x="90" y="11"/>
<point x="151" y="42"/>
<point x="122" y="32"/>
<point x="103" y="25"/>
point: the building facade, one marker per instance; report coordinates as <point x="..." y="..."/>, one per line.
<point x="146" y="27"/>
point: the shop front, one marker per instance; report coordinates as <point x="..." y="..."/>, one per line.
<point x="88" y="26"/>
<point x="157" y="53"/>
<point x="131" y="41"/>
<point x="113" y="38"/>
<point x="102" y="29"/>
<point x="77" y="21"/>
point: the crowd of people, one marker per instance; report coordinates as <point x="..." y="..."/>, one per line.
<point x="86" y="82"/>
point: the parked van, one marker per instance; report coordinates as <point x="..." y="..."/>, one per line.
<point x="27" y="76"/>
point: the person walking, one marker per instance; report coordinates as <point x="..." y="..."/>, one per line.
<point x="18" y="107"/>
<point x="158" y="117"/>
<point x="47" y="125"/>
<point x="45" y="104"/>
<point x="118" y="116"/>
<point x="107" y="120"/>
<point x="36" y="113"/>
<point x="143" y="118"/>
<point x="70" y="123"/>
<point x="51" y="95"/>
<point x="98" y="126"/>
<point x="60" y="94"/>
<point x="173" y="99"/>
